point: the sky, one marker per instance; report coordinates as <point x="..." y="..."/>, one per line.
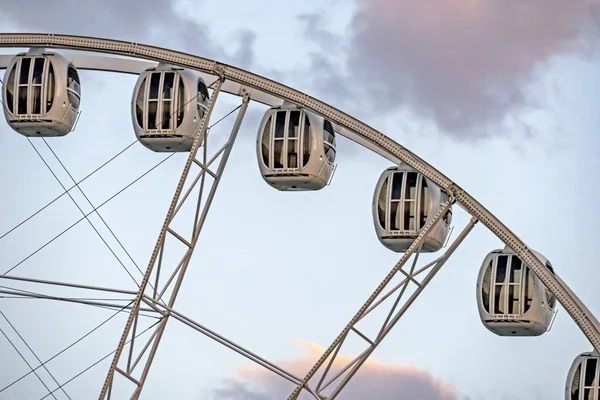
<point x="500" y="96"/>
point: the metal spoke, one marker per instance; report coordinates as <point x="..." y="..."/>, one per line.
<point x="27" y="362"/>
<point x="34" y="354"/>
<point x="64" y="193"/>
<point x="85" y="216"/>
<point x="65" y="190"/>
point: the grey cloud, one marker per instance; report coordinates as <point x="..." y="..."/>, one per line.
<point x="244" y="55"/>
<point x="313" y="29"/>
<point x="465" y="65"/>
<point x="146" y="21"/>
<point x="374" y="381"/>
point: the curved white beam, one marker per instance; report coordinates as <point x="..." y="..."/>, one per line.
<point x="122" y="65"/>
<point x="354" y="129"/>
<point x="105" y="63"/>
<point x="96" y="63"/>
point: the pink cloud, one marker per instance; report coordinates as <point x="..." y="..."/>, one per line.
<point x="375" y="380"/>
<point x="463" y="64"/>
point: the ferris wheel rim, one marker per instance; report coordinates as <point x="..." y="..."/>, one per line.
<point x="591" y="327"/>
<point x="352" y="129"/>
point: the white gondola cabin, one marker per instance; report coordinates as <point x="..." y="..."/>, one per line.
<point x="511" y="299"/>
<point x="41" y="94"/>
<point x="403" y="202"/>
<point x="295" y="149"/>
<point x="167" y="106"/>
<point x="583" y="381"/>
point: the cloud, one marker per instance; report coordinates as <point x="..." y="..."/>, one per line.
<point x="463" y="64"/>
<point x="375" y="380"/>
<point x="156" y="22"/>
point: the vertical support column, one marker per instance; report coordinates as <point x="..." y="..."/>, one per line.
<point x="159" y="249"/>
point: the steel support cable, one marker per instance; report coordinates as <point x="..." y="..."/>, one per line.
<point x="34" y="354"/>
<point x="90" y="174"/>
<point x="181" y="107"/>
<point x="67" y="348"/>
<point x="69" y="189"/>
<point x="100" y="360"/>
<point x="95" y="209"/>
<point x="92" y="205"/>
<point x="102" y="204"/>
<point x="78" y="182"/>
<point x="82" y="218"/>
<point x="66" y="191"/>
<point x="27" y="362"/>
<point x="225" y="116"/>
<point x="86" y="217"/>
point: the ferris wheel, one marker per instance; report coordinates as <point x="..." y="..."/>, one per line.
<point x="518" y="289"/>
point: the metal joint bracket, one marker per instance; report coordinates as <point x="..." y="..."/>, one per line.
<point x="453" y="190"/>
<point x="219" y="70"/>
<point x="245" y="96"/>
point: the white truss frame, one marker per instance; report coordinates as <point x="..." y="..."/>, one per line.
<point x="393" y="316"/>
<point x="254" y="87"/>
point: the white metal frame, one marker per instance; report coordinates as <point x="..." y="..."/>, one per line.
<point x="402" y="202"/>
<point x="377" y="298"/>
<point x="595" y="387"/>
<point x="525" y="281"/>
<point x="329" y="145"/>
<point x="160" y="100"/>
<point x="254" y="87"/>
<point x="286" y="140"/>
<point x="581" y="363"/>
